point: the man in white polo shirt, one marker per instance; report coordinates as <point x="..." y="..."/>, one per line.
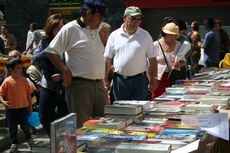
<point x="84" y="69"/>
<point x="130" y="49"/>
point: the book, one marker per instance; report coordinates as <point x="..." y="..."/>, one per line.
<point x="181" y="137"/>
<point x="123" y="109"/>
<point x="127" y="136"/>
<point x="216" y="100"/>
<point x="143" y="148"/>
<point x="144" y="127"/>
<point x="147" y="134"/>
<point x="89" y="138"/>
<point x="63" y="134"/>
<point x="198" y="107"/>
<point x="131" y="116"/>
<point x="113" y="123"/>
<point x="144" y="104"/>
<point x="146" y="119"/>
<point x="171" y="104"/>
<point x="175" y="144"/>
<point x="160" y="99"/>
<point x="175" y="90"/>
<point x="105" y="145"/>
<point x="179" y="131"/>
<point x="98" y="130"/>
<point x="180" y="126"/>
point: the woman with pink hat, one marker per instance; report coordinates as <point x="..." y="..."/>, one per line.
<point x="166" y="47"/>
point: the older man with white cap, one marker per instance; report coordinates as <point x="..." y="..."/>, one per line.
<point x="130" y="49"/>
<point x="84" y="69"/>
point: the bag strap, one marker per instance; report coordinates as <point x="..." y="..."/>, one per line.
<point x="164" y="56"/>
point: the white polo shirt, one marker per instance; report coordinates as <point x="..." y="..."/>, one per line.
<point x="129" y="53"/>
<point x="83" y="52"/>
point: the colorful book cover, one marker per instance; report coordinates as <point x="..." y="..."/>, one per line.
<point x="128" y="136"/>
<point x="180" y="126"/>
<point x="63" y="134"/>
<point x="98" y="130"/>
<point x="144" y="127"/>
<point x="89" y="137"/>
<point x="105" y="145"/>
<point x="147" y="134"/>
<point x="143" y="147"/>
<point x="179" y="131"/>
<point x="181" y="137"/>
<point x="113" y="123"/>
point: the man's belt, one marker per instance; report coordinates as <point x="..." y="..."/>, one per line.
<point x="84" y="79"/>
<point x="130" y="77"/>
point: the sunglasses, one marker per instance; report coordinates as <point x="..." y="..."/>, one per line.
<point x="135" y="19"/>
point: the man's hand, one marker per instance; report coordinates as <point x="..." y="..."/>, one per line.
<point x="67" y="77"/>
<point x="107" y="85"/>
<point x="56" y="77"/>
<point x="153" y="84"/>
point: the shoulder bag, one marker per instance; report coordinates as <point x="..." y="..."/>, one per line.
<point x="173" y="73"/>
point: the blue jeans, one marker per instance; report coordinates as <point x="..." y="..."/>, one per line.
<point x="130" y="88"/>
<point x="49" y="102"/>
<point x="15" y="117"/>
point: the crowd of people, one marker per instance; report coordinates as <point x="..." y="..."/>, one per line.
<point x="76" y="65"/>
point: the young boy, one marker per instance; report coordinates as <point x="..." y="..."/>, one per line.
<point x="15" y="94"/>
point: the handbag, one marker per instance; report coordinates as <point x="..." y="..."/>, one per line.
<point x="173" y="73"/>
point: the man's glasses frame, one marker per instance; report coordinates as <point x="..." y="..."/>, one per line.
<point x="135" y="19"/>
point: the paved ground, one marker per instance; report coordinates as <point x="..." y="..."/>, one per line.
<point x="24" y="147"/>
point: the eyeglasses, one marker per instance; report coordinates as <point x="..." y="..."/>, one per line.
<point x="134" y="19"/>
<point x="15" y="56"/>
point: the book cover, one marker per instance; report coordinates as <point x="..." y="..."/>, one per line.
<point x="147" y="134"/>
<point x="123" y="109"/>
<point x="198" y="107"/>
<point x="144" y="104"/>
<point x="113" y="123"/>
<point x="106" y="145"/>
<point x="179" y="131"/>
<point x="146" y="119"/>
<point x="63" y="134"/>
<point x="92" y="122"/>
<point x="181" y="137"/>
<point x="174" y="143"/>
<point x="180" y="126"/>
<point x="89" y="137"/>
<point x="127" y="136"/>
<point x="98" y="130"/>
<point x="143" y="147"/>
<point x="131" y="116"/>
<point x="144" y="127"/>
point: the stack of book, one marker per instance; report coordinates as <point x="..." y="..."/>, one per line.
<point x="124" y="111"/>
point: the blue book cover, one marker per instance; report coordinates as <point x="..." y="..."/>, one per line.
<point x="179" y="131"/>
<point x="128" y="136"/>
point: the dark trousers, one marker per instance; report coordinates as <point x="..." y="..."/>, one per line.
<point x="15" y="117"/>
<point x="51" y="107"/>
<point x="131" y="88"/>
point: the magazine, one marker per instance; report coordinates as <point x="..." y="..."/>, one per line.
<point x="63" y="134"/>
